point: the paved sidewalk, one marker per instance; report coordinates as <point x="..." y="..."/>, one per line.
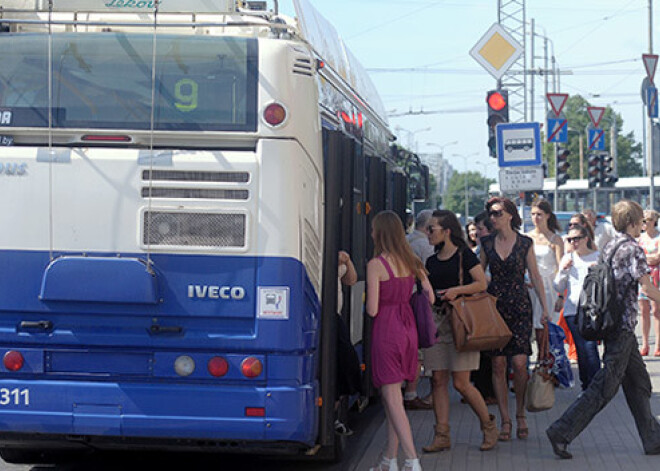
<point x="610" y="442"/>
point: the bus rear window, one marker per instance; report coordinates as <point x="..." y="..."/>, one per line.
<point x="104" y="81"/>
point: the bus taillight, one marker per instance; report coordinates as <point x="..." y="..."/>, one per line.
<point x="251" y="367"/>
<point x="13" y="360"/>
<point x="218" y="366"/>
<point x="275" y="114"/>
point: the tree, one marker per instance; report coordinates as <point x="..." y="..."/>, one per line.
<point x="454" y="198"/>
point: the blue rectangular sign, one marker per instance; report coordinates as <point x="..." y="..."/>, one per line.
<point x="652" y="102"/>
<point x="518" y="144"/>
<point x="596" y="139"/>
<point x="557" y="130"/>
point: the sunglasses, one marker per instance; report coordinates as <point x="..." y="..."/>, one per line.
<point x="496" y="213"/>
<point x="429" y="229"/>
<point x="574" y="239"/>
<point x="571" y="224"/>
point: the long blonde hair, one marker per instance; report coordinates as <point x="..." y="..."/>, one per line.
<point x="389" y="237"/>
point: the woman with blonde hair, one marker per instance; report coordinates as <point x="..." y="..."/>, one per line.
<point x="649" y="240"/>
<point x="391" y="276"/>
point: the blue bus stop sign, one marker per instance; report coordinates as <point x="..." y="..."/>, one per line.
<point x="518" y="144"/>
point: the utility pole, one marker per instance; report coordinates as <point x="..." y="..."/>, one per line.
<point x="649" y="122"/>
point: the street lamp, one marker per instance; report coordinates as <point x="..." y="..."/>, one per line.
<point x="465" y="157"/>
<point x="485" y="166"/>
<point x="411" y="135"/>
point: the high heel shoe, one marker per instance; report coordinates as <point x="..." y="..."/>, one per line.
<point x="644" y="351"/>
<point x="505" y="431"/>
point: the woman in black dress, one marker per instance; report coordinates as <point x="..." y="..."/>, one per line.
<point x="509" y="255"/>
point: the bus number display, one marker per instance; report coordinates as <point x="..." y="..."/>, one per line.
<point x="185" y="91"/>
<point x="15" y="396"/>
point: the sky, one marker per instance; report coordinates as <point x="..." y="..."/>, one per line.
<point x="599" y="43"/>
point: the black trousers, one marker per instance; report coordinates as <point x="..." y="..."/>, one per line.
<point x="622" y="365"/>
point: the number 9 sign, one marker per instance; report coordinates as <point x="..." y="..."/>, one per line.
<point x="185" y="91"/>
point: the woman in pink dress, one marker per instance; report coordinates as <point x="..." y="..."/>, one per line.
<point x="390" y="280"/>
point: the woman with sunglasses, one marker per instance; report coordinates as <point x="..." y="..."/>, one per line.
<point x="452" y="256"/>
<point x="573" y="269"/>
<point x="510" y="255"/>
<point x="549" y="249"/>
<point x="579" y="219"/>
<point x="650" y="242"/>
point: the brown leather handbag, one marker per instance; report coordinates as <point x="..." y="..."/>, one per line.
<point x="475" y="322"/>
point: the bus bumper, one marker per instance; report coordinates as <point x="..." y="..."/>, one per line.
<point x="140" y="414"/>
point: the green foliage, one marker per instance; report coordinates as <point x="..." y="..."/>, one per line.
<point x="454" y="198"/>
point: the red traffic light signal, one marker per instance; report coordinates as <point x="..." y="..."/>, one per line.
<point x="496" y="100"/>
<point x="498" y="113"/>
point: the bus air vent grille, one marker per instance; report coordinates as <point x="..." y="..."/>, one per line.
<point x="195" y="193"/>
<point x="302" y="66"/>
<point x="195" y="176"/>
<point x="194" y="229"/>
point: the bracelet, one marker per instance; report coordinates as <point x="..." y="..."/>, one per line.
<point x="561" y="297"/>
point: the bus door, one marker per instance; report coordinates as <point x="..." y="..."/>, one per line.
<point x="354" y="236"/>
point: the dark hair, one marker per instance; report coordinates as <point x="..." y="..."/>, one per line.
<point x="469" y="241"/>
<point x="482" y="218"/>
<point x="584" y="222"/>
<point x="509" y="207"/>
<point x="544" y="206"/>
<point x="448" y="220"/>
<point x="584" y="232"/>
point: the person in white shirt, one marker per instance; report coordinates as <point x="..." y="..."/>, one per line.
<point x="573" y="268"/>
<point x="649" y="240"/>
<point x="603" y="230"/>
<point x="419" y="238"/>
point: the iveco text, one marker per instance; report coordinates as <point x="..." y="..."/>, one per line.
<point x="216" y="292"/>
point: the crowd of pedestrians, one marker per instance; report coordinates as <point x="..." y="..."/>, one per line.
<point x="537" y="278"/>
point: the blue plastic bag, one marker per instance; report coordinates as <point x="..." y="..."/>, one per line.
<point x="561" y="366"/>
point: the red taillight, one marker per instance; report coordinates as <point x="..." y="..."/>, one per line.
<point x="218" y="366"/>
<point x="274" y="114"/>
<point x="100" y="138"/>
<point x="255" y="412"/>
<point x="251" y="367"/>
<point x="13" y="360"/>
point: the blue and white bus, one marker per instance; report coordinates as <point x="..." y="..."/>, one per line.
<point x="178" y="177"/>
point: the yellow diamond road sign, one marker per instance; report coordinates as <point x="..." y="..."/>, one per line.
<point x="496" y="51"/>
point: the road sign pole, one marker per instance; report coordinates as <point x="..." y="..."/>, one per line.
<point x="556" y="198"/>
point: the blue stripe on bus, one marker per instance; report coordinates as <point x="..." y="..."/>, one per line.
<point x="159" y="410"/>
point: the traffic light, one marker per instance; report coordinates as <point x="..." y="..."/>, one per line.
<point x="562" y="166"/>
<point x="607" y="176"/>
<point x="593" y="170"/>
<point x="498" y="112"/>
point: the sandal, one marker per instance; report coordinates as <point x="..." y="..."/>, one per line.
<point x="505" y="431"/>
<point x="522" y="432"/>
<point x="644" y="351"/>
